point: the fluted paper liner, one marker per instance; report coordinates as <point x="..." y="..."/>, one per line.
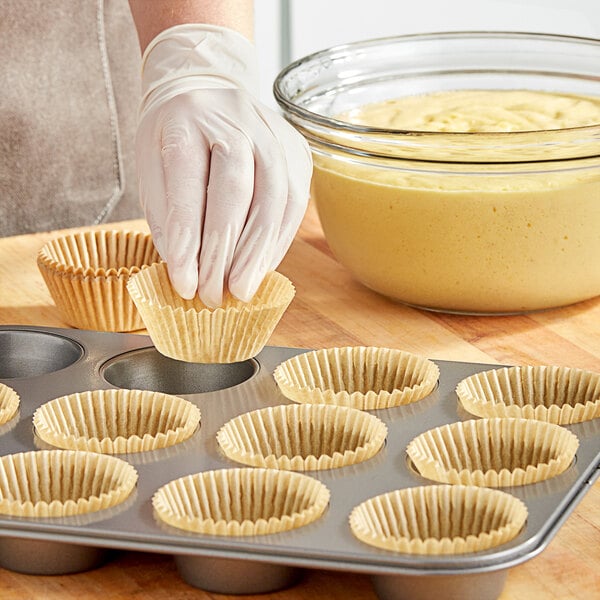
<point x="9" y="403"/>
<point x="116" y="421"/>
<point x="366" y="378"/>
<point x="558" y="395"/>
<point x="241" y="501"/>
<point x="86" y="274"/>
<point x="62" y="483"/>
<point x="188" y="330"/>
<point x="439" y="519"/>
<point x="493" y="452"/>
<point x="302" y="437"/>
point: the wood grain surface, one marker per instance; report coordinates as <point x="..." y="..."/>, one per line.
<point x="331" y="309"/>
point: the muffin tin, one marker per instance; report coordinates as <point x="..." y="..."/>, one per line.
<point x="43" y="363"/>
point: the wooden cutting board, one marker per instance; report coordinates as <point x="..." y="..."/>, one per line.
<point x="331" y="309"/>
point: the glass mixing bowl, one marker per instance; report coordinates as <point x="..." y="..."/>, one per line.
<point x="474" y="222"/>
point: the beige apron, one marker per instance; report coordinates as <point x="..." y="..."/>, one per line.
<point x="69" y="91"/>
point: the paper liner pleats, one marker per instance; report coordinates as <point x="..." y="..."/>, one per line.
<point x="116" y="421"/>
<point x="61" y="483"/>
<point x="366" y="378"/>
<point x="87" y="273"/>
<point x="493" y="452"/>
<point x="302" y="437"/>
<point x="188" y="330"/>
<point x="439" y="519"/>
<point x="9" y="403"/>
<point x="558" y="395"/>
<point x="241" y="501"/>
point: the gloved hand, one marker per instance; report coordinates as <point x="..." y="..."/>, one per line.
<point x="224" y="180"/>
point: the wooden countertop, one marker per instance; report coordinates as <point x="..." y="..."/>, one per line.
<point x="332" y="309"/>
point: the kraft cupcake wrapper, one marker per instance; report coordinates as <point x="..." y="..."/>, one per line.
<point x="366" y="378"/>
<point x="242" y="501"/>
<point x="493" y="452"/>
<point x="302" y="437"/>
<point x="116" y="421"/>
<point x="190" y="331"/>
<point x="9" y="403"/>
<point x="558" y="395"/>
<point x="439" y="519"/>
<point x="87" y="274"/>
<point x="61" y="483"/>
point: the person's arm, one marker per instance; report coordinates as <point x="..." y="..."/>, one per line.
<point x="223" y="179"/>
<point x="153" y="16"/>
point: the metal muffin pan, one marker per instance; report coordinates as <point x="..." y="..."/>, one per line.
<point x="42" y="363"/>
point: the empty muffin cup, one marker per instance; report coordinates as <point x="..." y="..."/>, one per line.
<point x="439" y="519"/>
<point x="116" y="421"/>
<point x="61" y="483"/>
<point x="86" y="274"/>
<point x="558" y="395"/>
<point x="189" y="330"/>
<point x="493" y="452"/>
<point x="366" y="378"/>
<point x="9" y="403"/>
<point x="46" y="557"/>
<point x="302" y="437"/>
<point x="242" y="501"/>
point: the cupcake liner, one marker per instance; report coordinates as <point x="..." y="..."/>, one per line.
<point x="366" y="378"/>
<point x="190" y="331"/>
<point x="241" y="501"/>
<point x="493" y="452"/>
<point x="61" y="483"/>
<point x="9" y="403"/>
<point x="116" y="421"/>
<point x="302" y="437"/>
<point x="86" y="274"/>
<point x="558" y="395"/>
<point x="439" y="519"/>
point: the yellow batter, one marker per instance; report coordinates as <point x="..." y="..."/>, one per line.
<point x="480" y="110"/>
<point x="451" y="238"/>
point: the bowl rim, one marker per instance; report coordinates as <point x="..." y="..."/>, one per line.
<point x="345" y="127"/>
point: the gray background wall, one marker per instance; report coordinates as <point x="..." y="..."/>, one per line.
<point x="289" y="29"/>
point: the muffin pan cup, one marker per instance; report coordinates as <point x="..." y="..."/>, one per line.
<point x="83" y="360"/>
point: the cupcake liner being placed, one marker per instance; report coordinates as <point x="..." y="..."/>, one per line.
<point x="302" y="437"/>
<point x="9" y="403"/>
<point x="366" y="378"/>
<point x="116" y="421"/>
<point x="493" y="452"/>
<point x="61" y="483"/>
<point x="439" y="519"/>
<point x="188" y="330"/>
<point x="241" y="501"/>
<point x="558" y="395"/>
<point x="86" y="274"/>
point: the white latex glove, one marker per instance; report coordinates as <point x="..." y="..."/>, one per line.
<point x="224" y="180"/>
